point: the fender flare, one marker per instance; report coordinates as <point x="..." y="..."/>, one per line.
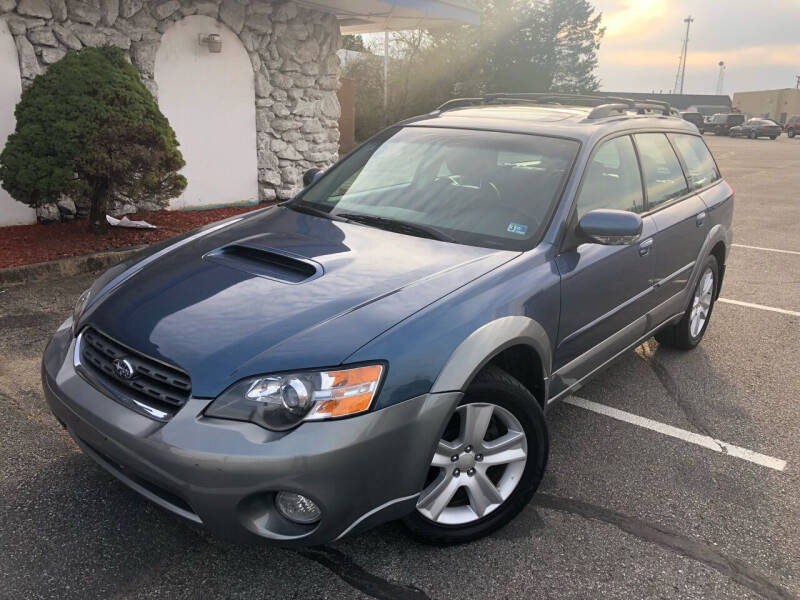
<point x="717" y="234"/>
<point x="477" y="349"/>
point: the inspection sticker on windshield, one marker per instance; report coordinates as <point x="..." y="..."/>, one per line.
<point x="518" y="228"/>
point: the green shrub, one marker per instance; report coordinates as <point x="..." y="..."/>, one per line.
<point x="89" y="129"/>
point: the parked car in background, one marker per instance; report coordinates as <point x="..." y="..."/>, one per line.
<point x="386" y="344"/>
<point x="721" y="123"/>
<point x="792" y="126"/>
<point x="696" y="119"/>
<point x="756" y="128"/>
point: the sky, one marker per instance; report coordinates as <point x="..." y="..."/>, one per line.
<point x="759" y="40"/>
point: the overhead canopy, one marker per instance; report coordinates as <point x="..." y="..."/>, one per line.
<point x="371" y="16"/>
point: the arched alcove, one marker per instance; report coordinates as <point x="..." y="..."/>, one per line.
<point x="209" y="99"/>
<point x="11" y="211"/>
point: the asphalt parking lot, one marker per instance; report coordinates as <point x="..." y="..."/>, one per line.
<point x="673" y="475"/>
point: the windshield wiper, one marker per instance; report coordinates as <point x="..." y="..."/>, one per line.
<point x="398" y="226"/>
<point x="317" y="212"/>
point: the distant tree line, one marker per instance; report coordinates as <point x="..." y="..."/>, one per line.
<point x="520" y="46"/>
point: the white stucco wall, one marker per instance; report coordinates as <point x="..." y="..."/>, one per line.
<point x="209" y="100"/>
<point x="11" y="211"/>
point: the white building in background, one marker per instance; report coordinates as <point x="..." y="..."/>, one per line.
<point x="249" y="87"/>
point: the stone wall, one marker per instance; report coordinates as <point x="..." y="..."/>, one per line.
<point x="292" y="51"/>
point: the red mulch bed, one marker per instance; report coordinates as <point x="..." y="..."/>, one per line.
<point x="25" y="244"/>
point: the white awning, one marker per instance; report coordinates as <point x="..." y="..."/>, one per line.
<point x="371" y="16"/>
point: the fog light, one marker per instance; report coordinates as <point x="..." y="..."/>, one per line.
<point x="297" y="508"/>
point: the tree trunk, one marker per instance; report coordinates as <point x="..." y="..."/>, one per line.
<point x="97" y="212"/>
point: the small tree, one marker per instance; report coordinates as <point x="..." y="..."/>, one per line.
<point x="89" y="129"/>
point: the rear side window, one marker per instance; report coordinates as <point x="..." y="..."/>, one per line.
<point x="663" y="176"/>
<point x="735" y="119"/>
<point x="702" y="170"/>
<point x="612" y="179"/>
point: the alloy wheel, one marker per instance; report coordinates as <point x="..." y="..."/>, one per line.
<point x="477" y="465"/>
<point x="701" y="304"/>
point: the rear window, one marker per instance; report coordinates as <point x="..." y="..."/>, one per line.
<point x="702" y="170"/>
<point x="662" y="172"/>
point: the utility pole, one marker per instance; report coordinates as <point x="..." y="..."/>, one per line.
<point x="721" y="77"/>
<point x="681" y="74"/>
<point x="797" y="86"/>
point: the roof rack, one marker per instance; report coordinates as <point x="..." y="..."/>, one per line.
<point x="603" y="106"/>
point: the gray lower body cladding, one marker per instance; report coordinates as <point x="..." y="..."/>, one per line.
<point x="224" y="474"/>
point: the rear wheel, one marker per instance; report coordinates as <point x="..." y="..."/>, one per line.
<point x="752" y="135"/>
<point x="688" y="332"/>
<point x="790" y="133"/>
<point x="773" y="137"/>
<point x="487" y="465"/>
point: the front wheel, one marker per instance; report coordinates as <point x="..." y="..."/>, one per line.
<point x="790" y="133"/>
<point x="488" y="464"/>
<point x="752" y="135"/>
<point x="688" y="332"/>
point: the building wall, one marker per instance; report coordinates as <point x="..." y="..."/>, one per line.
<point x="292" y="54"/>
<point x="347" y="122"/>
<point x="214" y="123"/>
<point x="11" y="211"/>
<point x="778" y="105"/>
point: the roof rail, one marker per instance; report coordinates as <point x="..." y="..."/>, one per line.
<point x="604" y="106"/>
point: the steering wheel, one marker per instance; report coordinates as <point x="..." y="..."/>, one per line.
<point x="483" y="185"/>
<point x="513" y="213"/>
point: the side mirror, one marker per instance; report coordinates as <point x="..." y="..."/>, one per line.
<point x="311" y="176"/>
<point x="610" y="227"/>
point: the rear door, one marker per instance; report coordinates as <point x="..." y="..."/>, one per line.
<point x="678" y="211"/>
<point x="605" y="290"/>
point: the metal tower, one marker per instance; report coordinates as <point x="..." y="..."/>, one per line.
<point x="721" y="77"/>
<point x="681" y="74"/>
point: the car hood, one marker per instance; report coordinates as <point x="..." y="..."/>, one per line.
<point x="277" y="290"/>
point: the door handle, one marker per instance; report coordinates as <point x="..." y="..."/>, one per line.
<point x="700" y="219"/>
<point x="645" y="246"/>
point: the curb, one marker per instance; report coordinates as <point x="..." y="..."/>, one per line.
<point x="65" y="267"/>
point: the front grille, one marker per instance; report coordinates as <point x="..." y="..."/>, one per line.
<point x="151" y="382"/>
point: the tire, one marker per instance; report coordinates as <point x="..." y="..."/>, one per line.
<point x="753" y="135"/>
<point x="514" y="411"/>
<point x="790" y="133"/>
<point x="773" y="137"/>
<point x="686" y="334"/>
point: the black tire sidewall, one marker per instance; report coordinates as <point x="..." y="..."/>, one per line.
<point x="500" y="389"/>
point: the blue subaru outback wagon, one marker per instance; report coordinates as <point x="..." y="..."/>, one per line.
<point x="386" y="345"/>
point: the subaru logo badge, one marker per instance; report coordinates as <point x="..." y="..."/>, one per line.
<point x="123" y="368"/>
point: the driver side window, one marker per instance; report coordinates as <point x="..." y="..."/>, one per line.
<point x="612" y="179"/>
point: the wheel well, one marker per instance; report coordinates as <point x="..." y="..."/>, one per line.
<point x="524" y="364"/>
<point x="719" y="253"/>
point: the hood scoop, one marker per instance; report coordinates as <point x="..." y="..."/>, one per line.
<point x="266" y="262"/>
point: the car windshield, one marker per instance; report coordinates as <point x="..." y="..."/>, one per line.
<point x="479" y="188"/>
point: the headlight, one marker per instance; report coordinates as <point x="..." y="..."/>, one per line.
<point x="280" y="402"/>
<point x="80" y="305"/>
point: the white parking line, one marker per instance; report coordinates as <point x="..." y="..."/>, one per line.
<point x="766" y="249"/>
<point x="783" y="311"/>
<point x="681" y="434"/>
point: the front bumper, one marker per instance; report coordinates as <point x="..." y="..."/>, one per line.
<point x="224" y="474"/>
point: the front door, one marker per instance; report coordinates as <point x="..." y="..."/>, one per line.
<point x="605" y="290"/>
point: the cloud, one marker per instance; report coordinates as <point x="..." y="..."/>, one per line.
<point x="784" y="55"/>
<point x="643" y="40"/>
<point x="633" y="18"/>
